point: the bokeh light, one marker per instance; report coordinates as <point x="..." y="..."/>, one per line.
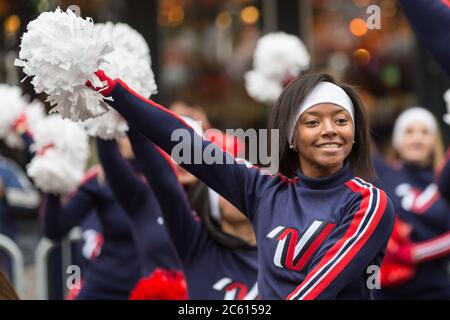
<point x="362" y="57"/>
<point x="224" y="20"/>
<point x="358" y="27"/>
<point x="250" y="15"/>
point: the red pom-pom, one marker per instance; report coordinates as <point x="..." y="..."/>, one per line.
<point x="161" y="285"/>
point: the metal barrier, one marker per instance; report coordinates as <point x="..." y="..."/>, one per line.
<point x="42" y="254"/>
<point x="17" y="263"/>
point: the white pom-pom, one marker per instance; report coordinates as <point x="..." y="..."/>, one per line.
<point x="131" y="62"/>
<point x="447" y="101"/>
<point x="35" y="114"/>
<point x="62" y="51"/>
<point x="123" y="36"/>
<point x="109" y="126"/>
<point x="52" y="175"/>
<point x="12" y="104"/>
<point x="261" y="88"/>
<point x="62" y="149"/>
<point x="135" y="72"/>
<point x="278" y="57"/>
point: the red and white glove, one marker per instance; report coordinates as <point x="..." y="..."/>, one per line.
<point x="400" y="246"/>
<point x="109" y="84"/>
<point x="399" y="263"/>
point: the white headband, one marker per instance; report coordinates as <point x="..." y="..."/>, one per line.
<point x="412" y="115"/>
<point x="324" y="92"/>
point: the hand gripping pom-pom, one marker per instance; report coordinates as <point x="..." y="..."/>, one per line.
<point x="61" y="52"/>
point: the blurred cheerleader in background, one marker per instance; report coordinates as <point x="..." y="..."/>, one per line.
<point x="416" y="263"/>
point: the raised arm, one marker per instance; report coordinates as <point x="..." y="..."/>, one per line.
<point x="431" y="21"/>
<point x="182" y="226"/>
<point x="142" y="207"/>
<point x="350" y="246"/>
<point x="129" y="190"/>
<point x="240" y="185"/>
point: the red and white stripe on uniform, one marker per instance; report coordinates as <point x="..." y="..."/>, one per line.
<point x="364" y="223"/>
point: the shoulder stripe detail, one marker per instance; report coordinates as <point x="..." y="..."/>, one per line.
<point x="340" y="255"/>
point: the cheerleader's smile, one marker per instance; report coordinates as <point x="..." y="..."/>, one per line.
<point x="329" y="146"/>
<point x="324" y="138"/>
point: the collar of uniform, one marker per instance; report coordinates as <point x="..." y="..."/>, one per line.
<point x="419" y="174"/>
<point x="330" y="182"/>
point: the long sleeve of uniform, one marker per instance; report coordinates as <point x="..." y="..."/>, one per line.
<point x="141" y="205"/>
<point x="184" y="230"/>
<point x="240" y="185"/>
<point x="432" y="249"/>
<point x="60" y="218"/>
<point x="127" y="187"/>
<point x="364" y="229"/>
<point x="431" y="21"/>
<point x="439" y="246"/>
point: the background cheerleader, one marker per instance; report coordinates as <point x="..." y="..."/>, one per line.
<point x="61" y="149"/>
<point x="142" y="208"/>
<point x="218" y="263"/>
<point x="424" y="242"/>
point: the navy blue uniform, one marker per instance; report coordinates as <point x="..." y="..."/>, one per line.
<point x="213" y="271"/>
<point x="316" y="237"/>
<point x="138" y="201"/>
<point x="116" y="269"/>
<point x="419" y="204"/>
<point x="89" y="247"/>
